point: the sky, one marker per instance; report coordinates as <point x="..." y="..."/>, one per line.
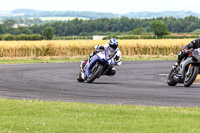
<point x="112" y="6"/>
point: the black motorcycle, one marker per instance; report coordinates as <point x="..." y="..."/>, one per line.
<point x="187" y="71"/>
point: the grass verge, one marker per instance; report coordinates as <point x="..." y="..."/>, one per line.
<point x="148" y="58"/>
<point x="22" y="61"/>
<point x="42" y="116"/>
<point x="75" y="59"/>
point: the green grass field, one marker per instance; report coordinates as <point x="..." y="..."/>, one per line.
<point x="57" y="60"/>
<point x="18" y="116"/>
<point x="22" y="61"/>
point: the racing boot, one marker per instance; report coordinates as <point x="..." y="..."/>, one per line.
<point x="111" y="72"/>
<point x="82" y="65"/>
<point x="175" y="65"/>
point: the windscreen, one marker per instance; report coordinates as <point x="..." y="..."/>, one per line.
<point x="196" y="54"/>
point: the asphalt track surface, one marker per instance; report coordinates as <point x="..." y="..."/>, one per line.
<point x="136" y="83"/>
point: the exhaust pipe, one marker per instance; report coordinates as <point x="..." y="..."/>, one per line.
<point x="176" y="78"/>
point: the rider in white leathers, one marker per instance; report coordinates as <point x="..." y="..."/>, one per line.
<point x="112" y="51"/>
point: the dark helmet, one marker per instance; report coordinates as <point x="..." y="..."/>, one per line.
<point x="113" y="43"/>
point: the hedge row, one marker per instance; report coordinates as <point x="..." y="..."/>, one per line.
<point x="9" y="37"/>
<point x="73" y="38"/>
<point x="151" y="37"/>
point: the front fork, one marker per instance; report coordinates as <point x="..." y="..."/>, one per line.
<point x="188" y="71"/>
<point x="183" y="67"/>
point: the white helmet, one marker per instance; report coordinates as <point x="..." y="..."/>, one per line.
<point x="113" y="43"/>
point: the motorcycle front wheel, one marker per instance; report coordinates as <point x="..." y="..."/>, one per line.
<point x="170" y="78"/>
<point x="191" y="75"/>
<point x="79" y="78"/>
<point x="95" y="72"/>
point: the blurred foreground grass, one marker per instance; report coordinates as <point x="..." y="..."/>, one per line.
<point x="20" y="116"/>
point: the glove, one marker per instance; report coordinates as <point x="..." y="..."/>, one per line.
<point x="175" y="65"/>
<point x="186" y="51"/>
<point x="99" y="48"/>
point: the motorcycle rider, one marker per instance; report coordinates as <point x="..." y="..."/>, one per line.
<point x="112" y="50"/>
<point x="186" y="51"/>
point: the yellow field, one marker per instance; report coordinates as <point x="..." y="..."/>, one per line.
<point x="70" y="48"/>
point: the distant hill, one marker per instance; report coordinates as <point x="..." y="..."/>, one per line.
<point x="97" y="15"/>
<point x="176" y="14"/>
<point x="83" y="14"/>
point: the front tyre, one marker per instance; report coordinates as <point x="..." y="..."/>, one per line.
<point x="170" y="78"/>
<point x="191" y="75"/>
<point x="96" y="71"/>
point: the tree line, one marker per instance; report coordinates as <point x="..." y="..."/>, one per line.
<point x="123" y="25"/>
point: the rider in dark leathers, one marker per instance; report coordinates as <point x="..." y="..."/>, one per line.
<point x="184" y="53"/>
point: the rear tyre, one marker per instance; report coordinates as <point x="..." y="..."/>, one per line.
<point x="191" y="75"/>
<point x="96" y="71"/>
<point x="79" y="78"/>
<point x="170" y="78"/>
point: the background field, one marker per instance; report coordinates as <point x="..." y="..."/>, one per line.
<point x="72" y="48"/>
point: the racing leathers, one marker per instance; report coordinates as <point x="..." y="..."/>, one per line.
<point x="184" y="53"/>
<point x="110" y="53"/>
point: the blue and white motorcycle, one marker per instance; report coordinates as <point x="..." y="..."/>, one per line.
<point x="97" y="65"/>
